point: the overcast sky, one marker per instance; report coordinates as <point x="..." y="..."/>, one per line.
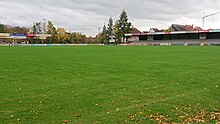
<point x="87" y="15"/>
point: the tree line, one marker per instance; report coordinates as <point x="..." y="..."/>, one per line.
<point x="118" y="29"/>
<point x="59" y="35"/>
<point x="13" y="29"/>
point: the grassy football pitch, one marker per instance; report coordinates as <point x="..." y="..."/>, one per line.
<point x="109" y="84"/>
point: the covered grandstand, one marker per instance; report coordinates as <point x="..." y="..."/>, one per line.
<point x="208" y="37"/>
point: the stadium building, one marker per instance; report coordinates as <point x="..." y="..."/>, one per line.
<point x="179" y="35"/>
<point x="13" y="38"/>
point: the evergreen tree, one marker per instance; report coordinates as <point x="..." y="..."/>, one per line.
<point x="118" y="33"/>
<point x="110" y="27"/>
<point x="104" y="29"/>
<point x="123" y="25"/>
<point x="34" y="29"/>
<point x="2" y="28"/>
<point x="104" y="35"/>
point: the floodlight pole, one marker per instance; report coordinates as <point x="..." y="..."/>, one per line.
<point x="70" y="30"/>
<point x="206" y="16"/>
<point x="99" y="34"/>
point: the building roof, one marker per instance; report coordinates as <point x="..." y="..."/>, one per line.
<point x="177" y="27"/>
<point x="198" y="29"/>
<point x="135" y="31"/>
<point x="155" y="30"/>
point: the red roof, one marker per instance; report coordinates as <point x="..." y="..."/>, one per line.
<point x="30" y="35"/>
<point x="177" y="27"/>
<point x="135" y="31"/>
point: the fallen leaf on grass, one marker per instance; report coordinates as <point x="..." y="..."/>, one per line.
<point x="182" y="116"/>
<point x="140" y="113"/>
<point x="78" y="116"/>
<point x="66" y="121"/>
<point x="118" y="109"/>
<point x="136" y="101"/>
<point x="107" y="111"/>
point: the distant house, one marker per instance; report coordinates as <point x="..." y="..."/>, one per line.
<point x="133" y="35"/>
<point x="135" y="31"/>
<point x="177" y="27"/>
<point x="145" y="32"/>
<point x="153" y="30"/>
<point x="89" y="39"/>
<point x="198" y="29"/>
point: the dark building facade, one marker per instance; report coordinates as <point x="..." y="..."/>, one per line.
<point x="178" y="35"/>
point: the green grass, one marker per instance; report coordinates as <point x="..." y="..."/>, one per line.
<point x="107" y="84"/>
